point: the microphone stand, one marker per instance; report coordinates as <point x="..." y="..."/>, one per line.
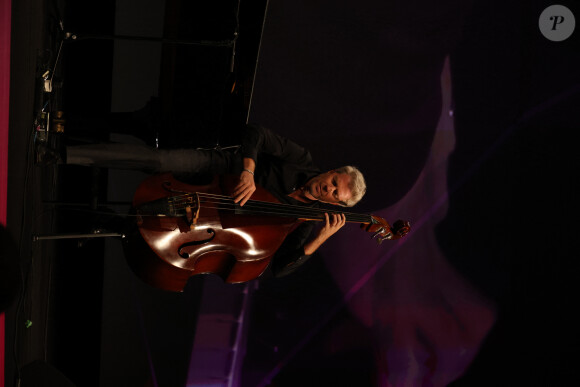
<point x="214" y="43"/>
<point x="36" y="238"/>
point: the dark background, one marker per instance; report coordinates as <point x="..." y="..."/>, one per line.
<point x="357" y="83"/>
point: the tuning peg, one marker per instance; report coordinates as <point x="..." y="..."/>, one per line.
<point x="386" y="236"/>
<point x="379" y="232"/>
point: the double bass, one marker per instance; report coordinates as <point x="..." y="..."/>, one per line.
<point x="184" y="230"/>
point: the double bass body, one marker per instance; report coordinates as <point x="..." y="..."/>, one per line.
<point x="202" y="236"/>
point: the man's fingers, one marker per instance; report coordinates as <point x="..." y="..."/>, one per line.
<point x="239" y="194"/>
<point x="335" y="220"/>
<point x="338" y="220"/>
<point x="244" y="196"/>
<point x="241" y="187"/>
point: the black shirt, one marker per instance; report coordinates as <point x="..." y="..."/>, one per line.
<point x="282" y="166"/>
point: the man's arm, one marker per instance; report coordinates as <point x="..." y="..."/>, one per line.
<point x="258" y="140"/>
<point x="331" y="226"/>
<point x="295" y="251"/>
<point x="246" y="186"/>
<point x="290" y="256"/>
<point x="262" y="140"/>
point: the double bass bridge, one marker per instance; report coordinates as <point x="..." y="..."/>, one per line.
<point x="186" y="205"/>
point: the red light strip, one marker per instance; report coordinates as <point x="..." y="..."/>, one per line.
<point x="5" y="25"/>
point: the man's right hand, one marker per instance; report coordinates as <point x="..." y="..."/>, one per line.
<point x="245" y="188"/>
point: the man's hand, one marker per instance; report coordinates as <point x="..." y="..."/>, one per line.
<point x="331" y="225"/>
<point x="245" y="188"/>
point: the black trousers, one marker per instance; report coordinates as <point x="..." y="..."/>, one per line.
<point x="151" y="160"/>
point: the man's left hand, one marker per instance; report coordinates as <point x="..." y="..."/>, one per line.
<point x="332" y="224"/>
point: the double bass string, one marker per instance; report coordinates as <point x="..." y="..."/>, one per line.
<point x="227" y="203"/>
<point x="290" y="210"/>
<point x="222" y="202"/>
<point x="296" y="211"/>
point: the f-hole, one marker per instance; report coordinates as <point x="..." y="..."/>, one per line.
<point x="185" y="255"/>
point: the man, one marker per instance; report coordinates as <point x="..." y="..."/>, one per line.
<point x="279" y="165"/>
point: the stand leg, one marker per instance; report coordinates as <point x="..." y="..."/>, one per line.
<point x="36" y="238"/>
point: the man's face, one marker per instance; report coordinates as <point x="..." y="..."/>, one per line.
<point x="330" y="187"/>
